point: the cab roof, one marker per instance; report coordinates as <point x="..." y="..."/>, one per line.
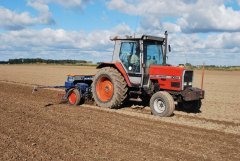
<point x="143" y="37"/>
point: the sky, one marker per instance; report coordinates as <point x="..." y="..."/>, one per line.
<point x="200" y="31"/>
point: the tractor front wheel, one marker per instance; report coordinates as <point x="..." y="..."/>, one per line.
<point x="162" y="104"/>
<point x="109" y="88"/>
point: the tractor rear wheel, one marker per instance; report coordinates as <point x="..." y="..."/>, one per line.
<point x="109" y="88"/>
<point x="74" y="97"/>
<point x="162" y="104"/>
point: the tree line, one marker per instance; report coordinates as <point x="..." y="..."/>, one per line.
<point x="44" y="61"/>
<point x="211" y="67"/>
<point x="84" y="62"/>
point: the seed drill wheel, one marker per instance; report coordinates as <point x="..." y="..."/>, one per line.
<point x="162" y="104"/>
<point x="109" y="88"/>
<point x="74" y="97"/>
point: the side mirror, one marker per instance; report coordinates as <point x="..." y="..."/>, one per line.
<point x="169" y="48"/>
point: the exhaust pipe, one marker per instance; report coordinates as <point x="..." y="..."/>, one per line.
<point x="165" y="49"/>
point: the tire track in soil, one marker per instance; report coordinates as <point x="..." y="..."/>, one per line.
<point x="146" y="110"/>
<point x="221" y="126"/>
<point x="31" y="130"/>
<point x="179" y="118"/>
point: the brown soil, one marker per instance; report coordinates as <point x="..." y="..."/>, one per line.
<point x="38" y="127"/>
<point x="41" y="74"/>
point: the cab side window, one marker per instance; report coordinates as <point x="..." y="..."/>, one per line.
<point x="130" y="56"/>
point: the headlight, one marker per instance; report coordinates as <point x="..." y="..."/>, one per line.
<point x="185" y="83"/>
<point x="189" y="83"/>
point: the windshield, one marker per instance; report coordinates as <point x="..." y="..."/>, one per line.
<point x="153" y="53"/>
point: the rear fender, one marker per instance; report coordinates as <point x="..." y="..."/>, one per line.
<point x="119" y="67"/>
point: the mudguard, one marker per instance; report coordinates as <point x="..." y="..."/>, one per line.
<point x="119" y="67"/>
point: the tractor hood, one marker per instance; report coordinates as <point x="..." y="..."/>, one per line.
<point x="165" y="70"/>
<point x="168" y="77"/>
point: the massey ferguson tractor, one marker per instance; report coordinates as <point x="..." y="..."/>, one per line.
<point x="138" y="70"/>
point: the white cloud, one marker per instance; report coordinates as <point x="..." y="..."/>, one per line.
<point x="151" y="7"/>
<point x="150" y="23"/>
<point x="187" y="16"/>
<point x="60" y="44"/>
<point x="13" y="21"/>
<point x="210" y="18"/>
<point x="73" y="3"/>
<point x="68" y="4"/>
<point x="219" y="49"/>
<point x="122" y="29"/>
<point x="191" y="15"/>
<point x="224" y="41"/>
<point x="46" y="15"/>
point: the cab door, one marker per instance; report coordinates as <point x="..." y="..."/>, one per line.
<point x="152" y="55"/>
<point x="130" y="57"/>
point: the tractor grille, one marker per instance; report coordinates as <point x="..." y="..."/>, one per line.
<point x="188" y="78"/>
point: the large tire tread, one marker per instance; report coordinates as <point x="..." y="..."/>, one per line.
<point x="120" y="87"/>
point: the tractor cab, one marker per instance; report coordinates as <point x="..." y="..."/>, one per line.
<point x="137" y="54"/>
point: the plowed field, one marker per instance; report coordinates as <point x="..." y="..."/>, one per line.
<point x="39" y="127"/>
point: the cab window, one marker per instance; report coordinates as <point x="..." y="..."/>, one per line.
<point x="153" y="53"/>
<point x="129" y="55"/>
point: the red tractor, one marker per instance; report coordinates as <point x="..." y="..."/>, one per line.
<point x="139" y="69"/>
